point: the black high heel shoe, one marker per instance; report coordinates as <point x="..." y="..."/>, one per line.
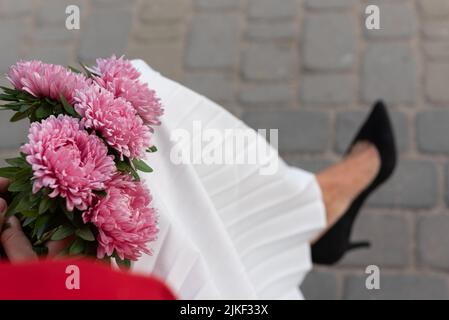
<point x="377" y="129"/>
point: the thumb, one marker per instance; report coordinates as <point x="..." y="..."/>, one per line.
<point x="14" y="242"/>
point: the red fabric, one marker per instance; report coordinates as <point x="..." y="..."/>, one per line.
<point x="47" y="279"/>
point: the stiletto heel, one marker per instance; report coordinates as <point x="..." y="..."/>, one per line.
<point x="359" y="245"/>
<point x="377" y="129"/>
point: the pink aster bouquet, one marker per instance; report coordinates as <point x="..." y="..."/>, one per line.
<point x="77" y="177"/>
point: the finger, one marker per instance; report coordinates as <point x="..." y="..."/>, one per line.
<point x="16" y="245"/>
<point x="3" y="207"/>
<point x="56" y="247"/>
<point x="4" y="184"/>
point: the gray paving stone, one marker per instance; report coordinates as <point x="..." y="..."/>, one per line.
<point x="398" y="20"/>
<point x="165" y="57"/>
<point x="329" y="41"/>
<point x="56" y="55"/>
<point x="314" y="165"/>
<point x="12" y="33"/>
<point x="4" y="82"/>
<point x="105" y="33"/>
<point x="446" y="191"/>
<point x="217" y="4"/>
<point x="213" y="41"/>
<point x="272" y="9"/>
<point x="436" y="29"/>
<point x="52" y="12"/>
<point x="390" y="236"/>
<point x="114" y="3"/>
<point x="437" y="75"/>
<point x="432" y="129"/>
<point x="216" y="86"/>
<point x="159" y="31"/>
<point x="397" y="286"/>
<point x="13" y="8"/>
<point x="432" y="235"/>
<point x="329" y="4"/>
<point x="7" y="154"/>
<point x="12" y="135"/>
<point x="306" y="131"/>
<point x="53" y="35"/>
<point x="389" y="73"/>
<point x="165" y="10"/>
<point x="328" y="89"/>
<point x="407" y="66"/>
<point x="348" y="124"/>
<point x="413" y="186"/>
<point x="274" y="95"/>
<point x="320" y="285"/>
<point x="434" y="8"/>
<point x="437" y="50"/>
<point x="269" y="62"/>
<point x="282" y="31"/>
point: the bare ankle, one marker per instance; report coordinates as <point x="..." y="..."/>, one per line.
<point x="344" y="181"/>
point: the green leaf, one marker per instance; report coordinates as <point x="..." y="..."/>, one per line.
<point x="25" y="201"/>
<point x="28" y="221"/>
<point x="67" y="106"/>
<point x="10" y="106"/>
<point x="78" y="221"/>
<point x="51" y="102"/>
<point x="85" y="233"/>
<point x="19" y="116"/>
<point x="24" y="175"/>
<point x="101" y="193"/>
<point x="30" y="213"/>
<point x="12" y="208"/>
<point x="53" y="206"/>
<point x="44" y="205"/>
<point x="41" y="225"/>
<point x="18" y="162"/>
<point x="142" y="166"/>
<point x="36" y="197"/>
<point x="6" y="97"/>
<point x="6" y="88"/>
<point x="68" y="214"/>
<point x="122" y="166"/>
<point x="135" y="175"/>
<point x="77" y="247"/>
<point x="123" y="264"/>
<point x="73" y="69"/>
<point x="152" y="149"/>
<point x="43" y="112"/>
<point x="63" y="232"/>
<point x="19" y="185"/>
<point x="88" y="71"/>
<point x="9" y="172"/>
<point x="24" y="108"/>
<point x="58" y="109"/>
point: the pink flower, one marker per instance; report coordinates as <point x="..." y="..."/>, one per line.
<point x="69" y="161"/>
<point x="122" y="79"/>
<point x="115" y="120"/>
<point x="144" y="100"/>
<point x="46" y="80"/>
<point x="126" y="223"/>
<point x="112" y="68"/>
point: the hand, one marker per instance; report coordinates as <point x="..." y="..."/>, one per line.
<point x="14" y="242"/>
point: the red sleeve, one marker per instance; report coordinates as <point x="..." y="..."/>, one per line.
<point x="76" y="279"/>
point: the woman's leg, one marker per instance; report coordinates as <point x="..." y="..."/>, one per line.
<point x="343" y="182"/>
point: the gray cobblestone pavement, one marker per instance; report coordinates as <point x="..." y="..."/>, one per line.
<point x="308" y="67"/>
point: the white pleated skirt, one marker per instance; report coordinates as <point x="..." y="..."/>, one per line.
<point x="227" y="231"/>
